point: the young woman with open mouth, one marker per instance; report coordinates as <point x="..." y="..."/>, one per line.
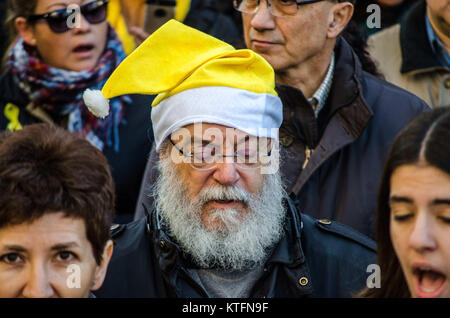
<point x="413" y="213"/>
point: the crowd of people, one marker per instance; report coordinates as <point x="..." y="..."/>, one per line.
<point x="224" y="149"/>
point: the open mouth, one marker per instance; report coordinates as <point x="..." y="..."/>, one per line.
<point x="83" y="48"/>
<point x="430" y="281"/>
<point x="225" y="201"/>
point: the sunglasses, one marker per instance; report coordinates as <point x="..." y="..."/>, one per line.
<point x="58" y="21"/>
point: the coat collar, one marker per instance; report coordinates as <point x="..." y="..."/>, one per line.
<point x="346" y="90"/>
<point x="346" y="84"/>
<point x="417" y="54"/>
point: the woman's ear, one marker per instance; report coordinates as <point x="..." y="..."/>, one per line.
<point x="340" y="15"/>
<point x="100" y="271"/>
<point x="25" y="31"/>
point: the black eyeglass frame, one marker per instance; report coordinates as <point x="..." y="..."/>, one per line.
<point x="49" y="15"/>
<point x="299" y="3"/>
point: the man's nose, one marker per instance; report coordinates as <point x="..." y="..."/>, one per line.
<point x="262" y="19"/>
<point x="38" y="284"/>
<point x="226" y="172"/>
<point x="421" y="238"/>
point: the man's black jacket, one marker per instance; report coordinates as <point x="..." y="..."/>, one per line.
<point x="314" y="258"/>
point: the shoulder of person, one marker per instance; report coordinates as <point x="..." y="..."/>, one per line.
<point x="127" y="236"/>
<point x="131" y="271"/>
<point x="336" y="234"/>
<point x="378" y="39"/>
<point x="382" y="96"/>
<point x="338" y="257"/>
<point x="13" y="102"/>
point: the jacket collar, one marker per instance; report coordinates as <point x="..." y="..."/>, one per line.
<point x="417" y="54"/>
<point x="342" y="120"/>
<point x="348" y="74"/>
<point x="346" y="89"/>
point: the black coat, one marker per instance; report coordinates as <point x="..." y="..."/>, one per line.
<point x="135" y="134"/>
<point x="329" y="259"/>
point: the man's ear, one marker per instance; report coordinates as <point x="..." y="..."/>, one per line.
<point x="340" y="15"/>
<point x="100" y="271"/>
<point x="25" y="31"/>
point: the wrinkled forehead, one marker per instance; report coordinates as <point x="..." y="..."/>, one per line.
<point x="220" y="134"/>
<point x="209" y="131"/>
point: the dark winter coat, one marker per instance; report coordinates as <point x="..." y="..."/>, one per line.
<point x="314" y="258"/>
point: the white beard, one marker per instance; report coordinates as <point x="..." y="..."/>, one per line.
<point x="242" y="243"/>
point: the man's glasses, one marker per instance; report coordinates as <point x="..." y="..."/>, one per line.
<point x="58" y="21"/>
<point x="278" y="8"/>
<point x="250" y="154"/>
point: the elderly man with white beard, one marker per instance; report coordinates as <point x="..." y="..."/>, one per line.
<point x="221" y="224"/>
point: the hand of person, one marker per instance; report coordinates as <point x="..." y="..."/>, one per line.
<point x="139" y="35"/>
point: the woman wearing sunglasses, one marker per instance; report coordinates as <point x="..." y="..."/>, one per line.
<point x="413" y="213"/>
<point x="62" y="48"/>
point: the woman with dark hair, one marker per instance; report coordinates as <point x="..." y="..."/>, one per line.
<point x="56" y="209"/>
<point x="62" y="48"/>
<point x="413" y="211"/>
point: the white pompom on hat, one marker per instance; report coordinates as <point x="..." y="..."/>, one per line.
<point x="96" y="103"/>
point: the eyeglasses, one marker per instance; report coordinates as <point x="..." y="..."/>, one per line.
<point x="251" y="154"/>
<point x="278" y="8"/>
<point x="58" y="21"/>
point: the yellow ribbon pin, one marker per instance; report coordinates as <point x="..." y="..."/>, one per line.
<point x="12" y="113"/>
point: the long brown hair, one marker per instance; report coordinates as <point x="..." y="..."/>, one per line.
<point x="424" y="139"/>
<point x="15" y="9"/>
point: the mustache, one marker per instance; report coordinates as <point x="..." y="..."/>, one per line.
<point x="223" y="193"/>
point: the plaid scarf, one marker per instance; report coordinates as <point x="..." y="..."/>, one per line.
<point x="59" y="92"/>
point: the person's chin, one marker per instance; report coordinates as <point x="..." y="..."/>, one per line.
<point x="87" y="63"/>
<point x="265" y="52"/>
<point x="215" y="224"/>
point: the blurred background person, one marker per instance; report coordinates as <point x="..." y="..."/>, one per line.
<point x="413" y="213"/>
<point x="135" y="20"/>
<point x="415" y="54"/>
<point x="49" y="66"/>
<point x="56" y="208"/>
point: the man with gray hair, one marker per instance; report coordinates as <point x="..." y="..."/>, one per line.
<point x="339" y="121"/>
<point x="221" y="224"/>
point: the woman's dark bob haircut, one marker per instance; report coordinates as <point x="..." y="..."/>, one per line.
<point x="46" y="169"/>
<point x="424" y="141"/>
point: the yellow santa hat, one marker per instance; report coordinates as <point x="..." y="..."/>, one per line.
<point x="199" y="79"/>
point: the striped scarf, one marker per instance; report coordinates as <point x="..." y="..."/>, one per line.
<point x="59" y="92"/>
